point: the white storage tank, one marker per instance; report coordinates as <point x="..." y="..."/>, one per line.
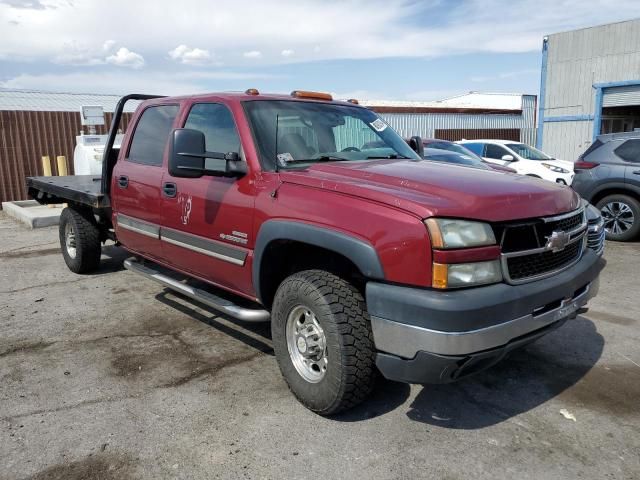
<point x="87" y="156"/>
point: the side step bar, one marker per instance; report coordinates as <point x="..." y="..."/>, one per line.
<point x="209" y="299"/>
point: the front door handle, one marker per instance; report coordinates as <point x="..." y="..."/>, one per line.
<point x="636" y="172"/>
<point x="170" y="189"/>
<point x="123" y="181"/>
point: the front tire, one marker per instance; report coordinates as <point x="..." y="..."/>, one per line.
<point x="323" y="342"/>
<point x="621" y="215"/>
<point x="79" y="241"/>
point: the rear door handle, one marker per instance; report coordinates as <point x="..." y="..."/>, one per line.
<point x="636" y="172"/>
<point x="170" y="189"/>
<point x="123" y="181"/>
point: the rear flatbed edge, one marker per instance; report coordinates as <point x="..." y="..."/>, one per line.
<point x="78" y="189"/>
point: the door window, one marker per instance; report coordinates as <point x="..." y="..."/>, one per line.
<point x="495" y="152"/>
<point x="151" y="135"/>
<point x="477" y="148"/>
<point x="216" y="122"/>
<point x="629" y="151"/>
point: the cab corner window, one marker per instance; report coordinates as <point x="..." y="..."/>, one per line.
<point x="151" y="135"/>
<point x="217" y="124"/>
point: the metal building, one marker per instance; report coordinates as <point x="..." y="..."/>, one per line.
<point x="590" y="84"/>
<point x="34" y="124"/>
<point x="471" y="116"/>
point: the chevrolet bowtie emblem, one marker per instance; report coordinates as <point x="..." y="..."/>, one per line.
<point x="557" y="241"/>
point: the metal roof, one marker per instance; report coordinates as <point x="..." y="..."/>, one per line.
<point x="471" y="100"/>
<point x="41" y="101"/>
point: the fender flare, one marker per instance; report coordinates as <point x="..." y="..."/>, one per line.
<point x="359" y="251"/>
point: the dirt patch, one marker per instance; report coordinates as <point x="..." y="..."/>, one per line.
<point x="610" y="318"/>
<point x="608" y="389"/>
<point x="104" y="467"/>
<point x="30" y="253"/>
<point x="117" y="291"/>
<point x="173" y="358"/>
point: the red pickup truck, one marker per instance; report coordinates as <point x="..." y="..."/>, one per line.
<point x="315" y="215"/>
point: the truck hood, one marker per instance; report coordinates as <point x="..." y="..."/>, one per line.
<point x="428" y="189"/>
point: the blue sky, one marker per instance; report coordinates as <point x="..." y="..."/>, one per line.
<point x="368" y="49"/>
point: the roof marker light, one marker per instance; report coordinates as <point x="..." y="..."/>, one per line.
<point x="354" y="101"/>
<point x="314" y="95"/>
<point x="252" y="91"/>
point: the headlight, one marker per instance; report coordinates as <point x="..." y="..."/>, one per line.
<point x="449" y="233"/>
<point x="466" y="274"/>
<point x="553" y="168"/>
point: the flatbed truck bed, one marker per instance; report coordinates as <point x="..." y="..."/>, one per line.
<point x="79" y="189"/>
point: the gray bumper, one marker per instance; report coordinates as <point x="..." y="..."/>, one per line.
<point x="406" y="320"/>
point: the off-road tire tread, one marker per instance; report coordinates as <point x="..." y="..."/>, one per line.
<point x="88" y="248"/>
<point x="349" y="312"/>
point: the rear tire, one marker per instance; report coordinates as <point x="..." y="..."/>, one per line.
<point x="79" y="240"/>
<point x="323" y="341"/>
<point x="621" y="215"/>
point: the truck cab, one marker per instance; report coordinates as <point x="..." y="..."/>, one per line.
<point x="315" y="215"/>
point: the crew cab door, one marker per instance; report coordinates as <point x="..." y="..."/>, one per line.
<point x="137" y="177"/>
<point x="207" y="221"/>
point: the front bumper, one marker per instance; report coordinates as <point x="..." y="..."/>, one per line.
<point x="427" y="336"/>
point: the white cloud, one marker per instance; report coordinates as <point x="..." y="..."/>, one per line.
<point x="252" y="54"/>
<point x="190" y="56"/>
<point x="287" y="52"/>
<point x="108" y="45"/>
<point x="126" y="58"/>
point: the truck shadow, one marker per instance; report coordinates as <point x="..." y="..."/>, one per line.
<point x="524" y="380"/>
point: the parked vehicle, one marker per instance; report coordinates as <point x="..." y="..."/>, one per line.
<point x="524" y="159"/>
<point x="363" y="259"/>
<point x="461" y="155"/>
<point x="608" y="175"/>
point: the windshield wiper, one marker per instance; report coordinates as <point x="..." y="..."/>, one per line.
<point x="392" y="156"/>
<point x="321" y="158"/>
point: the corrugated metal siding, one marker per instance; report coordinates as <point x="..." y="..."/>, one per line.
<point x="27" y="136"/>
<point x="621" y="96"/>
<point x="425" y="125"/>
<point x="577" y="60"/>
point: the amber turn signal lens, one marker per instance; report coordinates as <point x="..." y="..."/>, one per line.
<point x="440" y="275"/>
<point x="314" y="95"/>
<point x="434" y="231"/>
<point x="252" y="91"/>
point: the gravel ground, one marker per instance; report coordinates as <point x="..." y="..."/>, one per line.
<point x="109" y="376"/>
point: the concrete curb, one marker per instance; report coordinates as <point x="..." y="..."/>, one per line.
<point x="32" y="214"/>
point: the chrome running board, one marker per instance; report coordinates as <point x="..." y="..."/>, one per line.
<point x="207" y="298"/>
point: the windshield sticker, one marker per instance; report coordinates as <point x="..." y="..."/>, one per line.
<point x="378" y="125"/>
<point x="284" y="158"/>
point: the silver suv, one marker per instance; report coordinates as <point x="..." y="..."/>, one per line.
<point x="607" y="175"/>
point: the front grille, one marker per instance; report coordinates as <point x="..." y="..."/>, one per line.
<point x="595" y="235"/>
<point x="536" y="264"/>
<point x="527" y="253"/>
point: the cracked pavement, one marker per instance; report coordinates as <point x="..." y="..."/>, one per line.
<point x="110" y="376"/>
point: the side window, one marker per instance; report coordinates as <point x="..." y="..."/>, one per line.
<point x="216" y="122"/>
<point x="151" y="135"/>
<point x="629" y="151"/>
<point x="475" y="148"/>
<point x="495" y="151"/>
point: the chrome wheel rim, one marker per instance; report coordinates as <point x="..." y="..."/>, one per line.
<point x="307" y="344"/>
<point x="618" y="217"/>
<point x="70" y="240"/>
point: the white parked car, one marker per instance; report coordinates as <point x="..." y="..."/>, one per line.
<point x="524" y="159"/>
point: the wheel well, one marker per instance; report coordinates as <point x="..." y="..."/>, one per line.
<point x="613" y="191"/>
<point x="283" y="258"/>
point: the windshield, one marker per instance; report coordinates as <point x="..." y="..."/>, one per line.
<point x="294" y="134"/>
<point x="450" y="156"/>
<point x="530" y="153"/>
<point x="453" y="147"/>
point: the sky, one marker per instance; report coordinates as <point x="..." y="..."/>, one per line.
<point x="366" y="49"/>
